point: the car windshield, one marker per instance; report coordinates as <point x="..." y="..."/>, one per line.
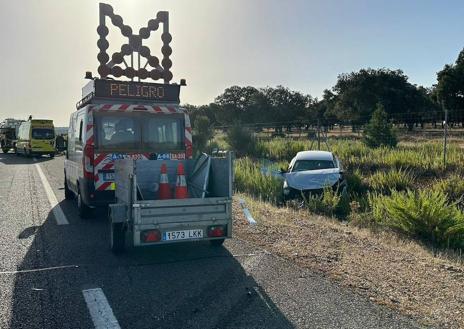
<point x="303" y="165"/>
<point x="43" y="133"/>
<point x="140" y="131"/>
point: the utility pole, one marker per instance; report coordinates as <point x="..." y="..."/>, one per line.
<point x="445" y="137"/>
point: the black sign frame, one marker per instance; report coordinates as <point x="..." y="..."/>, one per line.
<point x="155" y="92"/>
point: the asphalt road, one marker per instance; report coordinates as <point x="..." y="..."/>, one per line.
<point x="45" y="267"/>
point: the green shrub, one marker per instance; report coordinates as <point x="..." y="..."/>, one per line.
<point x="330" y="203"/>
<point x="249" y="179"/>
<point x="424" y="214"/>
<point x="452" y="186"/>
<point x="202" y="132"/>
<point x="396" y="179"/>
<point x="354" y="182"/>
<point x="241" y="140"/>
<point x="379" y="132"/>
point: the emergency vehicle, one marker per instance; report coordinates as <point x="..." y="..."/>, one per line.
<point x="8" y="134"/>
<point x="36" y="137"/>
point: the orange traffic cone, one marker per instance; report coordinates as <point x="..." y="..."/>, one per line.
<point x="164" y="189"/>
<point x="181" y="183"/>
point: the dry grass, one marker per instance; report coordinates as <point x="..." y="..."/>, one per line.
<point x="400" y="274"/>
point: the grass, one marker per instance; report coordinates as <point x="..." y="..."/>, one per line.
<point x="383" y="172"/>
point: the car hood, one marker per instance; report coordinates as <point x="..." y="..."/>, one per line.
<point x="312" y="179"/>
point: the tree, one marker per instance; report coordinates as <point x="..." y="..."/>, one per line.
<point x="356" y="95"/>
<point x="379" y="131"/>
<point x="287" y="107"/>
<point x="241" y="104"/>
<point x="450" y="88"/>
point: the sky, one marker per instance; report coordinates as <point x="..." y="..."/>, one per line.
<point x="48" y="45"/>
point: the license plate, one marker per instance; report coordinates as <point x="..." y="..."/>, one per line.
<point x="108" y="176"/>
<point x="182" y="235"/>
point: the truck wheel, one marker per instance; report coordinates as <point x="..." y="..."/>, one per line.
<point x="68" y="194"/>
<point x="5" y="150"/>
<point x="216" y="243"/>
<point x="118" y="237"/>
<point x="84" y="210"/>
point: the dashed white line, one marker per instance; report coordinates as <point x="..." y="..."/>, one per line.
<point x="57" y="211"/>
<point x="100" y="311"/>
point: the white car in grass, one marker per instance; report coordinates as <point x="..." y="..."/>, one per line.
<point x="310" y="172"/>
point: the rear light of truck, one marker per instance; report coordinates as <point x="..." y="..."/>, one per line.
<point x="88" y="161"/>
<point x="150" y="236"/>
<point x="216" y="231"/>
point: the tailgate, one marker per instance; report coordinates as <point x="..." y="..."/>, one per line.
<point x="186" y="210"/>
<point x="181" y="215"/>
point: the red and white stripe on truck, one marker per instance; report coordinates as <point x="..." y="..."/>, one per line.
<point x="95" y="163"/>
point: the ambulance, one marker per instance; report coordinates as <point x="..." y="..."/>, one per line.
<point x="36" y="137"/>
<point x="121" y="120"/>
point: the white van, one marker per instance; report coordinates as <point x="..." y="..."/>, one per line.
<point x="109" y="127"/>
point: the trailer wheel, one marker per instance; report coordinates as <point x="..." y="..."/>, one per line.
<point x="216" y="243"/>
<point x="84" y="210"/>
<point x="118" y="237"/>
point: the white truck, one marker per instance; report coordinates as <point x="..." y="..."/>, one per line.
<point x="124" y="132"/>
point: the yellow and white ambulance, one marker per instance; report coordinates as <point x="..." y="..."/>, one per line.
<point x="36" y="137"/>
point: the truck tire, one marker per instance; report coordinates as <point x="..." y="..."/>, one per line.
<point x="5" y="150"/>
<point x="68" y="194"/>
<point x="216" y="243"/>
<point x="84" y="210"/>
<point x="118" y="237"/>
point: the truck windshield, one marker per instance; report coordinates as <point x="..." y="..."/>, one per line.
<point x="303" y="165"/>
<point x="43" y="133"/>
<point x="141" y="131"/>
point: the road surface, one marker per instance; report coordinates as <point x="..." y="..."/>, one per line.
<point x="64" y="276"/>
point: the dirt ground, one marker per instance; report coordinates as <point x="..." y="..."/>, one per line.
<point x="402" y="275"/>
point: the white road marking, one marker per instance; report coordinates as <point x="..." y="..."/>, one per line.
<point x="100" y="311"/>
<point x="40" y="269"/>
<point x="247" y="213"/>
<point x="57" y="211"/>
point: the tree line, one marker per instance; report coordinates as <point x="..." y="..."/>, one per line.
<point x="351" y="101"/>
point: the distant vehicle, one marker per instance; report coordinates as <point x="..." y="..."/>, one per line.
<point x="8" y="133"/>
<point x="36" y="137"/>
<point x="310" y="172"/>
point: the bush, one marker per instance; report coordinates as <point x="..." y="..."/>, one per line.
<point x="452" y="186"/>
<point x="249" y="179"/>
<point x="202" y="132"/>
<point x="424" y="214"/>
<point x="395" y="179"/>
<point x="330" y="203"/>
<point x="354" y="182"/>
<point x="379" y="132"/>
<point x="241" y="140"/>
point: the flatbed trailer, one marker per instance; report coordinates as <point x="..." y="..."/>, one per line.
<point x="139" y="219"/>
